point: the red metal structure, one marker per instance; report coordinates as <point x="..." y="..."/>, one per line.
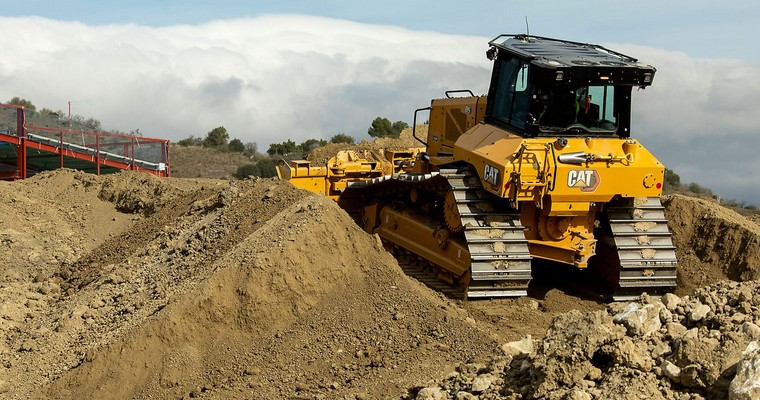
<point x="28" y="149"/>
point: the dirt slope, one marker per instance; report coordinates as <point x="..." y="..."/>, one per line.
<point x="713" y="243"/>
<point x="214" y="288"/>
<point x="130" y="286"/>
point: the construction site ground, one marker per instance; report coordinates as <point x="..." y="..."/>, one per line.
<point x="133" y="286"/>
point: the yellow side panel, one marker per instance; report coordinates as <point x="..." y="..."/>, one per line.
<point x="316" y="184"/>
<point x="450" y="118"/>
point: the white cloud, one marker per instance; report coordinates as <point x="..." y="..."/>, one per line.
<point x="700" y="118"/>
<point x="264" y="78"/>
<point x="278" y="77"/>
<point x="699" y="98"/>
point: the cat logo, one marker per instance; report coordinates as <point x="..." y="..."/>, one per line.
<point x="492" y="175"/>
<point x="587" y="180"/>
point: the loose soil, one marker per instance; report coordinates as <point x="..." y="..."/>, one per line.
<point x="131" y="286"/>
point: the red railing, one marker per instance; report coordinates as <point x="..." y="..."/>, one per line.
<point x="102" y="149"/>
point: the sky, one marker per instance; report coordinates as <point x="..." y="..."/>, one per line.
<point x="274" y="70"/>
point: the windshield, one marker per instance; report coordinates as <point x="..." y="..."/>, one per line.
<point x="527" y="99"/>
<point x="575" y="109"/>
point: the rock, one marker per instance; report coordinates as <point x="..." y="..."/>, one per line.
<point x="738" y="318"/>
<point x="675" y="329"/>
<point x="661" y="349"/>
<point x="632" y="355"/>
<point x="639" y="319"/>
<point x="699" y="312"/>
<point x="524" y="346"/>
<point x="690" y="335"/>
<point x="671" y="301"/>
<point x="594" y="374"/>
<point x="689" y="375"/>
<point x="431" y="393"/>
<point x="751" y="330"/>
<point x="665" y="315"/>
<point x="482" y="382"/>
<point x="671" y="371"/>
<point x="465" y="396"/>
<point x="746" y="383"/>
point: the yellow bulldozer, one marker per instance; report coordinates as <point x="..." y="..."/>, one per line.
<point x="543" y="167"/>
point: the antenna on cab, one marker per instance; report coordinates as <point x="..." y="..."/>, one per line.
<point x="527" y="28"/>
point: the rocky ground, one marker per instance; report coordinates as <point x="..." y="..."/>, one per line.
<point x="130" y="286"/>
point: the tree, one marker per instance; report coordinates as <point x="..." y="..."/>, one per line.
<point x="399" y="126"/>
<point x="382" y="127"/>
<point x="57" y="115"/>
<point x="93" y="125"/>
<point x="672" y="182"/>
<point x="267" y="168"/>
<point x="17" y="101"/>
<point x="311" y="144"/>
<point x="251" y="149"/>
<point x="217" y="137"/>
<point x="700" y="190"/>
<point x="342" y="138"/>
<point x="191" y="141"/>
<point x="236" y="146"/>
<point x="283" y="148"/>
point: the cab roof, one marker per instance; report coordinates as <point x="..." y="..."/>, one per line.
<point x="556" y="54"/>
<point x="567" y="52"/>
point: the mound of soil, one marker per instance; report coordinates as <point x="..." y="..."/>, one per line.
<point x="215" y="289"/>
<point x="712" y="243"/>
<point x="131" y="286"/>
<point x="700" y="347"/>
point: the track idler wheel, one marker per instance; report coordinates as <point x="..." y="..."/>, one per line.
<point x="451" y="213"/>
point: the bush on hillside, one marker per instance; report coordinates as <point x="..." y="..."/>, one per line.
<point x="264" y="168"/>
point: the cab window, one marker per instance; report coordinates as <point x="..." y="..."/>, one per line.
<point x="512" y="93"/>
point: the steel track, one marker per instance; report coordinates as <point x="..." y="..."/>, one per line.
<point x="500" y="261"/>
<point x="644" y="247"/>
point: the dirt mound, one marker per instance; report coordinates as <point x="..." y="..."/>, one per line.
<point x="700" y="347"/>
<point x="712" y="243"/>
<point x="218" y="289"/>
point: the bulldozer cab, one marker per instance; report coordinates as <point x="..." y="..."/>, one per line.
<point x="549" y="87"/>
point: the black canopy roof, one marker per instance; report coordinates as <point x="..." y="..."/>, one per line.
<point x="577" y="59"/>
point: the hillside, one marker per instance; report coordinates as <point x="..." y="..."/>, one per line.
<point x="202" y="162"/>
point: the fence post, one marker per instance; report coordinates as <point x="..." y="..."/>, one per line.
<point x="21" y="132"/>
<point x="97" y="153"/>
